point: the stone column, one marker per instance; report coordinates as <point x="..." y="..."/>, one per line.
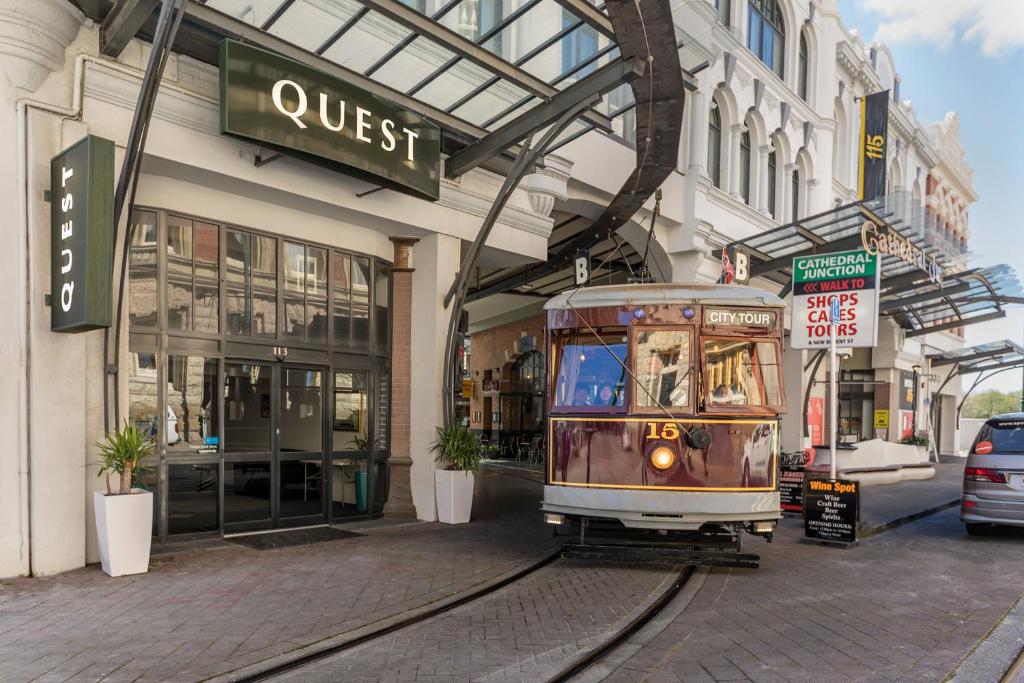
<point x="698" y="134"/>
<point x="400" y="488"/>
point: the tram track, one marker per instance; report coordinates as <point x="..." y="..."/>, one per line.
<point x="306" y="666"/>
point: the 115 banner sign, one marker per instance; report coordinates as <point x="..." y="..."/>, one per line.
<point x="874" y="136"/>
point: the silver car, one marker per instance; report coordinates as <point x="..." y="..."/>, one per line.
<point x="994" y="476"/>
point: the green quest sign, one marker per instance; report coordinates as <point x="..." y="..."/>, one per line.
<point x="288" y="106"/>
<point x="849" y="276"/>
<point x="81" y="236"/>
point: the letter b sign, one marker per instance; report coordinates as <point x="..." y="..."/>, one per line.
<point x="582" y="269"/>
<point x="742" y="267"/>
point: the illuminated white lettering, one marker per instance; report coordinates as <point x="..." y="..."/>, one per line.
<point x="362" y="124"/>
<point x="387" y="127"/>
<point x="66" y="257"/>
<point x="410" y="155"/>
<point x="323" y="114"/>
<point x="66" y="293"/>
<point x="302" y="101"/>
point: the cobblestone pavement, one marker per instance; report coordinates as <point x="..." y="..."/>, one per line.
<point x="523" y="632"/>
<point x="198" y="614"/>
<point x="906" y="605"/>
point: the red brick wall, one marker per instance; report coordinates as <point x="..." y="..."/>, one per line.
<point x="495" y="349"/>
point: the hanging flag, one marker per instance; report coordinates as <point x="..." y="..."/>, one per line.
<point x="727" y="270"/>
<point x="874" y="136"/>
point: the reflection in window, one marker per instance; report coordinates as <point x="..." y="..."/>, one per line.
<point x="142" y="269"/>
<point x="246" y="408"/>
<point x="801" y="77"/>
<point x="251" y="291"/>
<point x="348" y="486"/>
<point x="142" y="393"/>
<point x="715" y="145"/>
<point x="731" y="379"/>
<point x="768" y="362"/>
<point x="360" y="302"/>
<point x="246" y="491"/>
<point x="771" y="182"/>
<point x="341" y="283"/>
<point x="381" y="300"/>
<point x="350" y="412"/>
<point x="382" y="413"/>
<point x="477" y="18"/>
<point x="192" y="492"/>
<point x="578" y="46"/>
<point x="305" y="293"/>
<point x="192" y="404"/>
<point x="663" y="368"/>
<point x="745" y="166"/>
<point x="591" y="368"/>
<point x="193" y="269"/>
<point x="766" y="32"/>
<point x="723" y="7"/>
<point x="301" y="418"/>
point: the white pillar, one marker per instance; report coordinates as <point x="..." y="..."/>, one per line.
<point x="698" y="134"/>
<point x="437" y="258"/>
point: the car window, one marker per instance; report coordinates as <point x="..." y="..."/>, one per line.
<point x="591" y="369"/>
<point x="1006" y="437"/>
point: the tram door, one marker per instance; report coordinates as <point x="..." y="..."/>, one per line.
<point x="273" y="446"/>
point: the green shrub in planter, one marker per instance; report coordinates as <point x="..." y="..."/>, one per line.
<point x="122" y="452"/>
<point x="458" y="448"/>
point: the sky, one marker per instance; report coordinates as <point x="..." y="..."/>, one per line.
<point x="967" y="56"/>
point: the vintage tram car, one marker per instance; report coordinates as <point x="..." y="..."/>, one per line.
<point x="663" y="408"/>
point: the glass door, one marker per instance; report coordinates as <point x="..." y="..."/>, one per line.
<point x="300" y="446"/>
<point x="273" y="446"/>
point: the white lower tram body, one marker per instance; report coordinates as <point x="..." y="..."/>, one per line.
<point x="672" y="510"/>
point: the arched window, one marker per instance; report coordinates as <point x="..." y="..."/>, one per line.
<point x="803" y="66"/>
<point x="766" y="32"/>
<point x="723" y="7"/>
<point x="745" y="166"/>
<point x="796" y="194"/>
<point x="715" y="146"/>
<point x="771" y="183"/>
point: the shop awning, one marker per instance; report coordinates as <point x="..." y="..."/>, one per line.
<point x="911" y="295"/>
<point x="981" y="358"/>
<point x="455" y="65"/>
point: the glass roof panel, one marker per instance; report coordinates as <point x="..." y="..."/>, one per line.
<point x="308" y="24"/>
<point x="414" y="63"/>
<point x="451" y="85"/>
<point x="253" y="12"/>
<point x="497" y="97"/>
<point x="366" y="42"/>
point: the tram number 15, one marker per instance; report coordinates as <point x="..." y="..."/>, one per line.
<point x="668" y="431"/>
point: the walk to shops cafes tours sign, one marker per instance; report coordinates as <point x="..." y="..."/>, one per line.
<point x="850" y="276"/>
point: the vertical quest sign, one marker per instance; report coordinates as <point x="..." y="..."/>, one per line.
<point x="850" y="276"/>
<point x="81" y="235"/>
<point x="285" y="105"/>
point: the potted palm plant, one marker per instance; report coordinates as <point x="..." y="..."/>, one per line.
<point x="124" y="520"/>
<point x="459" y="451"/>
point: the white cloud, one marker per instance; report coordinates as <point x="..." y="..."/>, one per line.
<point x="997" y="25"/>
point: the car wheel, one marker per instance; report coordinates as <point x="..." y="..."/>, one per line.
<point x="977" y="529"/>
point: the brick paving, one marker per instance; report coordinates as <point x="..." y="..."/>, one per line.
<point x="906" y="605"/>
<point x="523" y="632"/>
<point x="195" y="615"/>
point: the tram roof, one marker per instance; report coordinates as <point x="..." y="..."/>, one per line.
<point x="663" y="293"/>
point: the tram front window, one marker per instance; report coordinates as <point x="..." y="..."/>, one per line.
<point x="662" y="368"/>
<point x="736" y="370"/>
<point x="591" y="369"/>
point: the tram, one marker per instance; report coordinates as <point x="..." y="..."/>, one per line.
<point x="663" y="410"/>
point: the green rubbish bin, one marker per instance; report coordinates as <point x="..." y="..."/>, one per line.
<point x="361" y="491"/>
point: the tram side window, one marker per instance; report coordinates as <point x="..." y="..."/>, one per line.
<point x="591" y="369"/>
<point x="663" y="368"/>
<point x="736" y="370"/>
<point x="731" y="378"/>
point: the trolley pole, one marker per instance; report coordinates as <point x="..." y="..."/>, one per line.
<point x="833" y="384"/>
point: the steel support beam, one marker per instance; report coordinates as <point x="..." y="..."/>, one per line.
<point x="122" y="23"/>
<point x="590" y="89"/>
<point x="924" y="297"/>
<point x="957" y="323"/>
<point x="590" y="14"/>
<point x="444" y="37"/>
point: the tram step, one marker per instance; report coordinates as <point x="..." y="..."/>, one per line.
<point x="638" y="554"/>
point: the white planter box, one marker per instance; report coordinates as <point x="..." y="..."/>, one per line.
<point x="124" y="528"/>
<point x="454" y="495"/>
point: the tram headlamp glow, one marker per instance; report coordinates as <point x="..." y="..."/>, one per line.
<point x="663" y="457"/>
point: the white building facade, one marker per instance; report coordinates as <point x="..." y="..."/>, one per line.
<point x="768" y="137"/>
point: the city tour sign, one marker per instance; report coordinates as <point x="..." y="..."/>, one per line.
<point x="852" y="277"/>
<point x="81" y="236"/>
<point x="285" y="105"/>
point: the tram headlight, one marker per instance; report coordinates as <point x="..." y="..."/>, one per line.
<point x="662" y="457"/>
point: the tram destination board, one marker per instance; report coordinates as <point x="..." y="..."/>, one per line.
<point x="831" y="510"/>
<point x="852" y="277"/>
